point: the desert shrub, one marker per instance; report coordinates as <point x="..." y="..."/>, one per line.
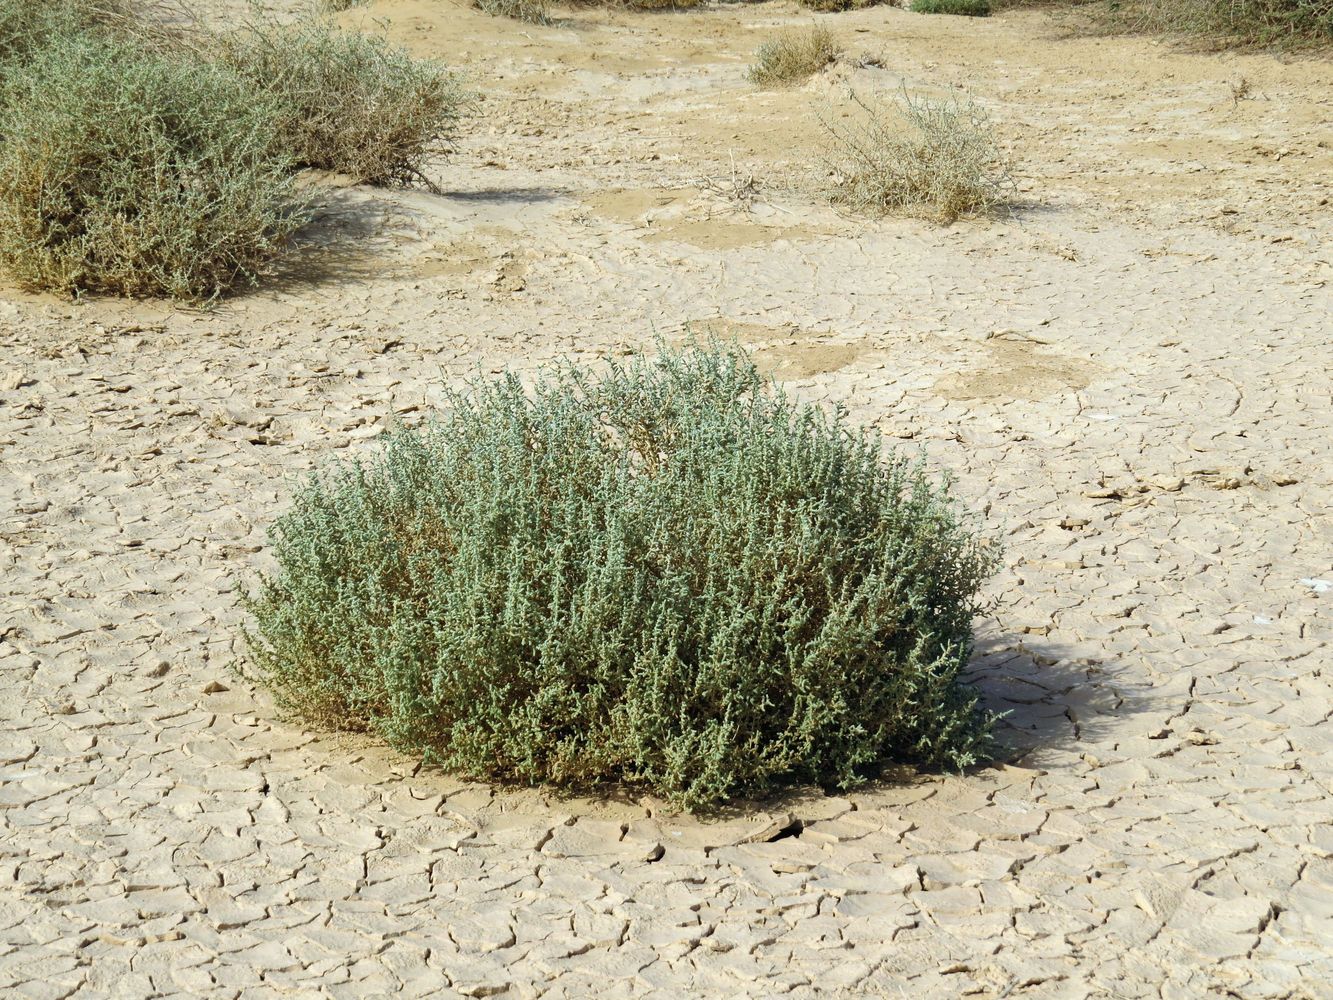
<point x="349" y="102"/>
<point x="1219" y="23"/>
<point x="532" y="11"/>
<point x="130" y="172"/>
<point x="28" y="26"/>
<point x="966" y="8"/>
<point x="646" y="5"/>
<point x="1246" y="21"/>
<point x="827" y="6"/>
<point x="651" y="4"/>
<point x="793" y="55"/>
<point x="918" y="154"/>
<point x="670" y="574"/>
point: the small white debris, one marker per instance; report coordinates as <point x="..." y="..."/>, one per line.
<point x="1318" y="586"/>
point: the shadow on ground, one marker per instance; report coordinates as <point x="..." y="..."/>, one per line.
<point x="1050" y="696"/>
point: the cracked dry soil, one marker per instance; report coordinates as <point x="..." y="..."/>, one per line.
<point x="1129" y="376"/>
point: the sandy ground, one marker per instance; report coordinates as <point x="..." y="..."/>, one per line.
<point x="1130" y="377"/>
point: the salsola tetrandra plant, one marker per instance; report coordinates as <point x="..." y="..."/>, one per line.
<point x="349" y="102"/>
<point x="135" y="173"/>
<point x="667" y="573"/>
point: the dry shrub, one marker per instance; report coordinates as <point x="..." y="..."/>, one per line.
<point x="827" y="6"/>
<point x="1216" y="23"/>
<point x="654" y="4"/>
<point x="349" y="102"/>
<point x="936" y="157"/>
<point x="134" y="173"/>
<point x="531" y="11"/>
<point x="1263" y="22"/>
<point x="641" y="4"/>
<point x="793" y="55"/>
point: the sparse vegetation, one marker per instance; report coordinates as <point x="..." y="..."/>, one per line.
<point x="134" y="173"/>
<point x="1218" y="23"/>
<point x="653" y="4"/>
<point x="918" y="154"/>
<point x="170" y="173"/>
<point x="793" y="55"/>
<point x="1266" y="22"/>
<point x="531" y="11"/>
<point x="826" y="6"/>
<point x="349" y="102"/>
<point x="965" y="8"/>
<point x="670" y="574"/>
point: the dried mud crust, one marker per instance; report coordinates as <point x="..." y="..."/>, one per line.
<point x="1130" y="379"/>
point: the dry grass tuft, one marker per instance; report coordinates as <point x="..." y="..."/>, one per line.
<point x="531" y="11"/>
<point x="938" y="158"/>
<point x="792" y="56"/>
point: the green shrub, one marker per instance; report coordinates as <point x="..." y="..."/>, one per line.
<point x="966" y="8"/>
<point x="936" y="157"/>
<point x="793" y="55"/>
<point x="349" y="102"/>
<point x="670" y="574"/>
<point x="532" y="11"/>
<point x="128" y="172"/>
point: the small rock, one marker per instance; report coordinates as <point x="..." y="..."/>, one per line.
<point x="244" y="416"/>
<point x="215" y="687"/>
<point x="1167" y="484"/>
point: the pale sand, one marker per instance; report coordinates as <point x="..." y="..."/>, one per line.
<point x="1130" y="378"/>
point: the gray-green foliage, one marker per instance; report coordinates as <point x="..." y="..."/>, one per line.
<point x="965" y="8"/>
<point x="135" y="173"/>
<point x="350" y="102"/>
<point x="669" y="574"/>
<point x="26" y="26"/>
